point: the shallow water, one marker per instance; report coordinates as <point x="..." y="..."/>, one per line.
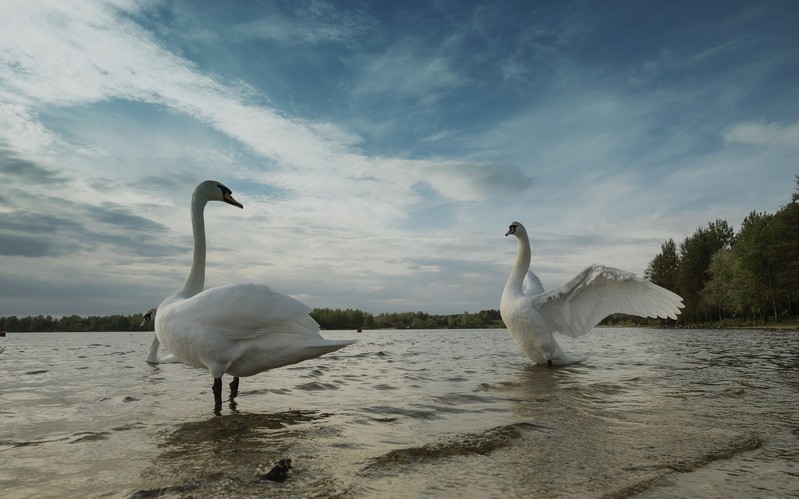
<point x="447" y="413"/>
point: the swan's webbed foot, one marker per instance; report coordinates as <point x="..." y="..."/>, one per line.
<point x="234" y="388"/>
<point x="217" y="388"/>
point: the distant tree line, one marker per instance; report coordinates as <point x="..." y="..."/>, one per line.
<point x="326" y="317"/>
<point x="357" y="319"/>
<point x="71" y="323"/>
<point x="751" y="276"/>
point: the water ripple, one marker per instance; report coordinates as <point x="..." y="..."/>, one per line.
<point x="482" y="443"/>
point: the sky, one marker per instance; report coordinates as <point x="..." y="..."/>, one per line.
<point x="380" y="149"/>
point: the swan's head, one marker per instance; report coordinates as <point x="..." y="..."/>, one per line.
<point x="516" y="228"/>
<point x="148" y="316"/>
<point x="211" y="190"/>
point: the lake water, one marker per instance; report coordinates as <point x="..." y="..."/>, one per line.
<point x="447" y="413"/>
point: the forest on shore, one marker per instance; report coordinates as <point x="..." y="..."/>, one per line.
<point x="729" y="278"/>
<point x="725" y="278"/>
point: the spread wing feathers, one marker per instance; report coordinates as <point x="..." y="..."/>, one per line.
<point x="532" y="284"/>
<point x="598" y="291"/>
<point x="241" y="311"/>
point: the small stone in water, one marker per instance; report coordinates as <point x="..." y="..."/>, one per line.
<point x="279" y="472"/>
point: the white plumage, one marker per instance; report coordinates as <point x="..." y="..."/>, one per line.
<point x="241" y="330"/>
<point x="237" y="329"/>
<point x="152" y="357"/>
<point x="532" y="315"/>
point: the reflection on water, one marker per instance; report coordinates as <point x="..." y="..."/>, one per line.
<point x="655" y="413"/>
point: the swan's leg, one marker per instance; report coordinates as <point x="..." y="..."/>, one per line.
<point x="549" y="362"/>
<point x="217" y="393"/>
<point x="234" y="388"/>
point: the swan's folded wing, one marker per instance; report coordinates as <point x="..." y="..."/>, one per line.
<point x="598" y="291"/>
<point x="249" y="310"/>
<point x="532" y="284"/>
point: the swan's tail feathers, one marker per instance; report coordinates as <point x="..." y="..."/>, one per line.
<point x="282" y="349"/>
<point x="329" y="346"/>
<point x="342" y="343"/>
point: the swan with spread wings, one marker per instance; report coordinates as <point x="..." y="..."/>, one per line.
<point x="533" y="315"/>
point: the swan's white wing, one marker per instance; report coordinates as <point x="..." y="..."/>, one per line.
<point x="241" y="311"/>
<point x="598" y="291"/>
<point x="532" y="284"/>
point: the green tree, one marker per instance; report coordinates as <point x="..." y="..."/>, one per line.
<point x="786" y="253"/>
<point x="756" y="259"/>
<point x="696" y="252"/>
<point x="663" y="269"/>
<point x="720" y="292"/>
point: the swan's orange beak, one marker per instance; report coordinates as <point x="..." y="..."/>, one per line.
<point x="229" y="200"/>
<point x="511" y="230"/>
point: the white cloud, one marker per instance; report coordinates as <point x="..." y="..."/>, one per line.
<point x="20" y="124"/>
<point x="765" y="134"/>
<point x="64" y="57"/>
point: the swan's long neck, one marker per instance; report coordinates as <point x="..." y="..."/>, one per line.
<point x="196" y="280"/>
<point x="516" y="278"/>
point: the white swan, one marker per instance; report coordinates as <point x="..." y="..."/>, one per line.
<point x="237" y="329"/>
<point x="152" y="357"/>
<point x="532" y="316"/>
